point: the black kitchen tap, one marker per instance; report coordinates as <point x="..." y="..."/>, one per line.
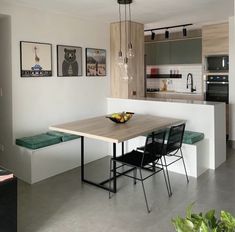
<point x="190" y="76"/>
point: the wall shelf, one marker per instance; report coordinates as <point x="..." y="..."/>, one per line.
<point x="166" y="76"/>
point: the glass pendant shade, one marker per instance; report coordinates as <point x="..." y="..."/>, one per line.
<point x="130" y="53"/>
<point x="120" y="59"/>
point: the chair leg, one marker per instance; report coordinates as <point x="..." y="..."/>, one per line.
<point x="145" y="197"/>
<point x="167" y="175"/>
<point x="184" y="166"/>
<point x="110" y="171"/>
<point x="168" y="190"/>
<point x="134" y="175"/>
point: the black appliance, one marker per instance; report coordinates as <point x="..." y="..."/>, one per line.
<point x="8" y="201"/>
<point x="217" y="88"/>
<point x="217" y="63"/>
<point x="152" y="90"/>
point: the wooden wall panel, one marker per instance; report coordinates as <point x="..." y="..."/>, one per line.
<point x="215" y="39"/>
<point x="119" y="87"/>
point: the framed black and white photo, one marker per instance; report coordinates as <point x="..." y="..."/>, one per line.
<point x="95" y="62"/>
<point x="35" y="59"/>
<point x="69" y="61"/>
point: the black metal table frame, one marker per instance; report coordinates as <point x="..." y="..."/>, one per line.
<point x="115" y="175"/>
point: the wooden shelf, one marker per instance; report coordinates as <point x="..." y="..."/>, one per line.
<point x="166" y="76"/>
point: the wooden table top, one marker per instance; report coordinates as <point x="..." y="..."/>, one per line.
<point x="104" y="129"/>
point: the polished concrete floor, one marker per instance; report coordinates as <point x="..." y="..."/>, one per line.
<point x="63" y="204"/>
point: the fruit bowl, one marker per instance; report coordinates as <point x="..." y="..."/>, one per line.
<point x="120" y="117"/>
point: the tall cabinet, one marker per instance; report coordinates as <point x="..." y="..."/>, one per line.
<point x="121" y="88"/>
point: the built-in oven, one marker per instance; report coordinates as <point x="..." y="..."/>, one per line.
<point x="217" y="88"/>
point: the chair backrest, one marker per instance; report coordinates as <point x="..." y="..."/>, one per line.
<point x="153" y="149"/>
<point x="175" y="138"/>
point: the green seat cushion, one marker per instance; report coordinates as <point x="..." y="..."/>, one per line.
<point x="38" y="141"/>
<point x="191" y="137"/>
<point x="63" y="136"/>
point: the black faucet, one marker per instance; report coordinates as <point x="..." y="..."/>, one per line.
<point x="190" y="76"/>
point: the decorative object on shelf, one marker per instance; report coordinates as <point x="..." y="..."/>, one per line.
<point x="120" y="117"/>
<point x="95" y="62"/>
<point x="204" y="222"/>
<point x="69" y="61"/>
<point x="129" y="53"/>
<point x="35" y="59"/>
<point x="167" y="33"/>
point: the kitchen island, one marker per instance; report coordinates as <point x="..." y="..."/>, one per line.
<point x="200" y="116"/>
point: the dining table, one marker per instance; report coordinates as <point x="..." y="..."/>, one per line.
<point x="102" y="128"/>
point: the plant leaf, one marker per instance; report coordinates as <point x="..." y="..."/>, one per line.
<point x="204" y="228"/>
<point x="183" y="225"/>
<point x="189" y="210"/>
<point x="227" y="219"/>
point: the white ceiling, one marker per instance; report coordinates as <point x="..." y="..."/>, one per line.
<point x="150" y="12"/>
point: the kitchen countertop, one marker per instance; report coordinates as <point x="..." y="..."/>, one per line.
<point x="175" y="92"/>
<point x="178" y="101"/>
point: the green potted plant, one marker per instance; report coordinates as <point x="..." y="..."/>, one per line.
<point x="207" y="222"/>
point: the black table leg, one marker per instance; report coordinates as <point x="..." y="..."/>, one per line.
<point x="114" y="169"/>
<point x="122" y="148"/>
<point x="82" y="158"/>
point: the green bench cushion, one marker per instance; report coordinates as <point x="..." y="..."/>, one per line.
<point x="63" y="136"/>
<point x="190" y="137"/>
<point x="38" y="141"/>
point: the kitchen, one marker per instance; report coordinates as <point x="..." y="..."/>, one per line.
<point x="25" y="101"/>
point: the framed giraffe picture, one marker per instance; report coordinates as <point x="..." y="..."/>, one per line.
<point x="69" y="61"/>
<point x="35" y="59"/>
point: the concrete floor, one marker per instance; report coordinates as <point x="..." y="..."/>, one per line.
<point x="63" y="204"/>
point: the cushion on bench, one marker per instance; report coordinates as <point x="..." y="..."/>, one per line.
<point x="191" y="137"/>
<point x="63" y="136"/>
<point x="38" y="141"/>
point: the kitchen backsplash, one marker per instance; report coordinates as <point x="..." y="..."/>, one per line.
<point x="177" y="84"/>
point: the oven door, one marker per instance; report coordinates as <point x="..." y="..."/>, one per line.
<point x="217" y="91"/>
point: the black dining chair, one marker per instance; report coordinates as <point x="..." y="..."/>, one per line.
<point x="172" y="148"/>
<point x="145" y="160"/>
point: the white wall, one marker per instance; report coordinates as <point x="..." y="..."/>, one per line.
<point x="38" y="103"/>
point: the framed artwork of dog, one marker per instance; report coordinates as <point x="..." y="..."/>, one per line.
<point x="69" y="61"/>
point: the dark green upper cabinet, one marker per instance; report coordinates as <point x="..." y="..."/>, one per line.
<point x="186" y="51"/>
<point x="174" y="52"/>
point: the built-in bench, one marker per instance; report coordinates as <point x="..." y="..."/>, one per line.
<point x="47" y="154"/>
<point x="195" y="151"/>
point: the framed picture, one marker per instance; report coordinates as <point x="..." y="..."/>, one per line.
<point x="35" y="59"/>
<point x="69" y="61"/>
<point x="95" y="62"/>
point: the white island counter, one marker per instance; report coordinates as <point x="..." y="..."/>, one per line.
<point x="200" y="116"/>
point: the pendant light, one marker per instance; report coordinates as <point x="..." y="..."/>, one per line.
<point x="131" y="52"/>
<point x="123" y="61"/>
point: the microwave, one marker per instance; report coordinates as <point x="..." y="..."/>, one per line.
<point x="217" y="63"/>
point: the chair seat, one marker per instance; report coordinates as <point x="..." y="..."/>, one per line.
<point x="135" y="158"/>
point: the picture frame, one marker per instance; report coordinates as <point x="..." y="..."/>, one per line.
<point x="35" y="59"/>
<point x="95" y="62"/>
<point x="69" y="61"/>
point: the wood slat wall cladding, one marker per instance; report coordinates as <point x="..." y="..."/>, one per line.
<point x="215" y="39"/>
<point x="119" y="87"/>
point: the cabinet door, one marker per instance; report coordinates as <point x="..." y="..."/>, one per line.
<point x="186" y="51"/>
<point x="162" y="50"/>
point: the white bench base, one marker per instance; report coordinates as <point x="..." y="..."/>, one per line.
<point x="42" y="163"/>
<point x="196" y="159"/>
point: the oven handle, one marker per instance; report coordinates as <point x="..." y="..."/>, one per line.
<point x="219" y="83"/>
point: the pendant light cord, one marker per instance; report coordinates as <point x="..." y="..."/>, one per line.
<point x="120" y="28"/>
<point x="125" y="34"/>
<point x="130" y="22"/>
